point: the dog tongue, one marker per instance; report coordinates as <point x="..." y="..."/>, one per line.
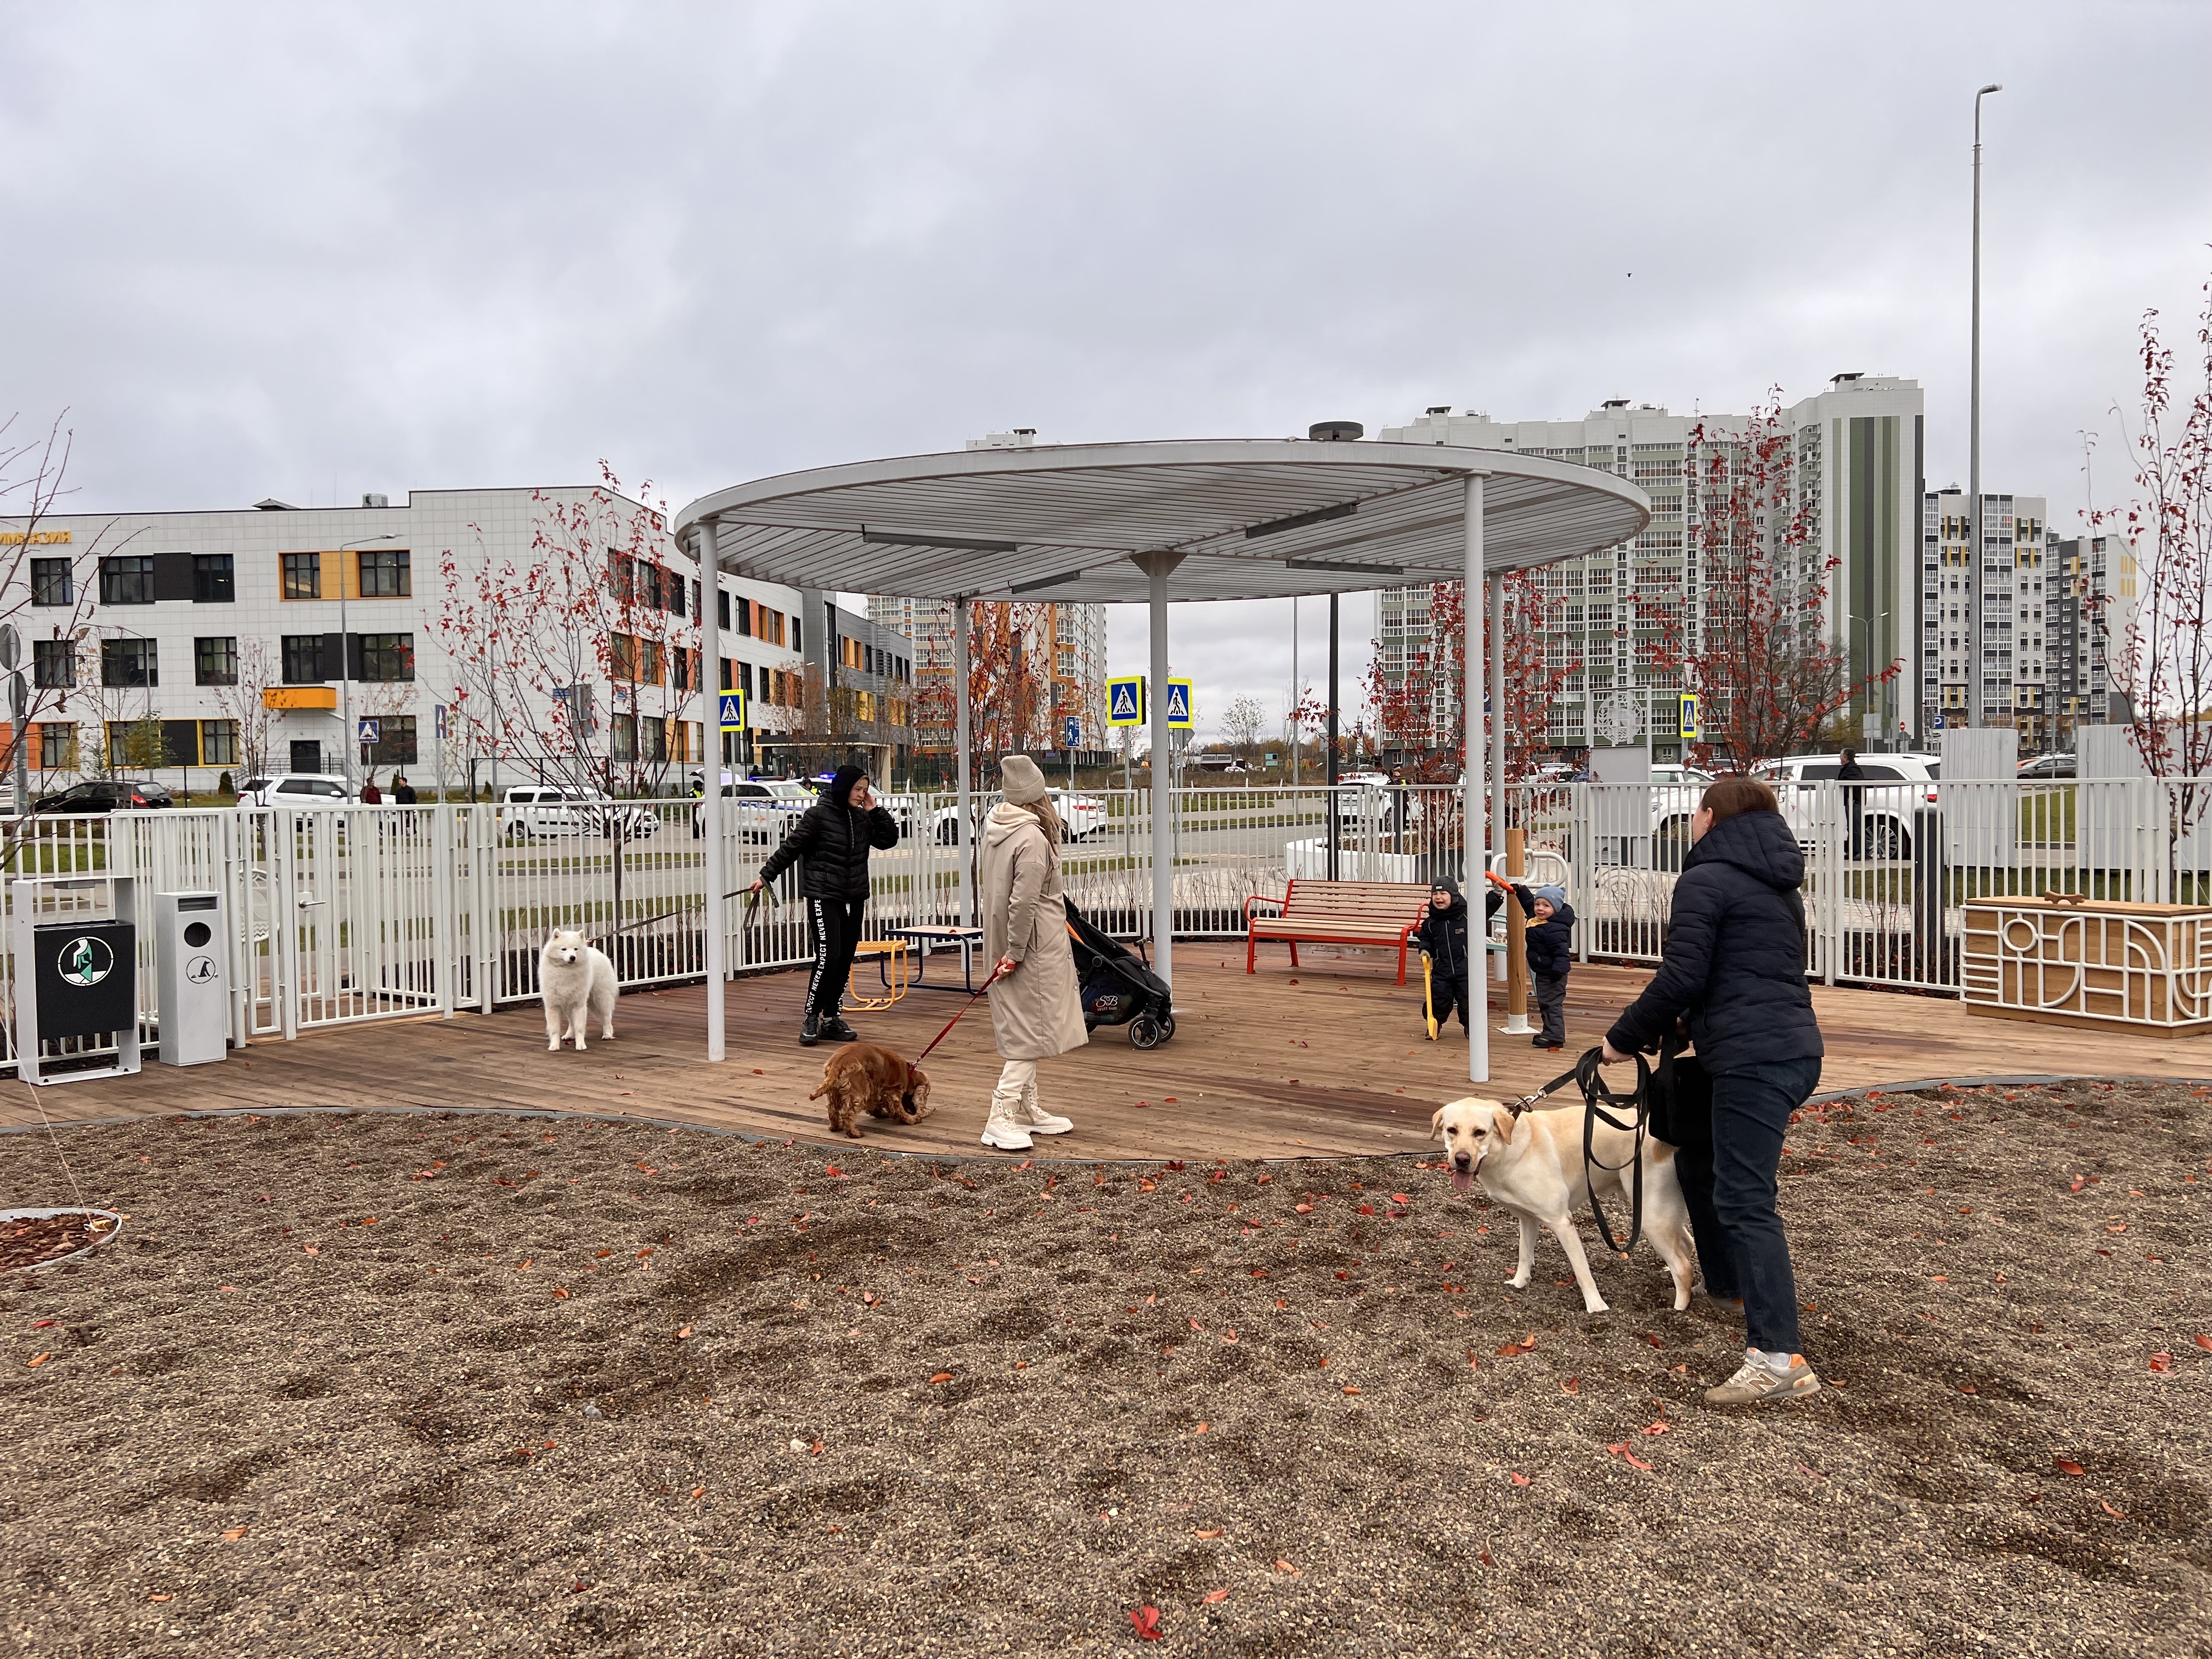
<point x="1462" y="1179"/>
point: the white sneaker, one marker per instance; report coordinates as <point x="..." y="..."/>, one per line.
<point x="1756" y="1380"/>
<point x="1007" y="1135"/>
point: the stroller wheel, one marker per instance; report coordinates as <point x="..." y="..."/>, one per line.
<point x="1145" y="1032"/>
<point x="1167" y="1027"/>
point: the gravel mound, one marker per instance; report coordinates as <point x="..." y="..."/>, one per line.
<point x="406" y="1385"/>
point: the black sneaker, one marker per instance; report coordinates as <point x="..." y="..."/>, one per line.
<point x="837" y="1032"/>
<point x="809" y="1032"/>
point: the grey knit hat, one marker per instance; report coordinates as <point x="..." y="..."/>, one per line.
<point x="1023" y="781"/>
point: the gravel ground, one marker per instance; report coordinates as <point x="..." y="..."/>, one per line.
<point x="475" y="1385"/>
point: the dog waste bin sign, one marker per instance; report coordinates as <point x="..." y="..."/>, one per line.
<point x="88" y="976"/>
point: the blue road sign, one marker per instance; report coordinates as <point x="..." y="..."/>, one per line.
<point x="732" y="715"/>
<point x="1125" y="702"/>
<point x="370" y="730"/>
<point x="439" y="709"/>
<point x="1938" y="720"/>
<point x="1071" y="733"/>
<point x="1179" y="704"/>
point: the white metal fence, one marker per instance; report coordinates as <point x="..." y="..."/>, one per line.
<point x="369" y="913"/>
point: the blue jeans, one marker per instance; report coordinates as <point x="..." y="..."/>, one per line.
<point x="1730" y="1191"/>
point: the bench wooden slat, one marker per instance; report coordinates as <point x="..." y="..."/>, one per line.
<point x="1337" y="913"/>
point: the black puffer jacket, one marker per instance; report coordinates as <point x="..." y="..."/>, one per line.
<point x="1734" y="961"/>
<point x="834" y="836"/>
<point x="1442" y="933"/>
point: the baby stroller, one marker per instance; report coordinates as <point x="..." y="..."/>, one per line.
<point x="1118" y="987"/>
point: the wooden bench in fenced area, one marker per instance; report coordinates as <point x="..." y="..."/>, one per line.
<point x="1384" y="913"/>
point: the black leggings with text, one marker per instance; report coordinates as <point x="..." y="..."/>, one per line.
<point x="836" y="935"/>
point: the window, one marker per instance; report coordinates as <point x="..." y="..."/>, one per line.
<point x="303" y="658"/>
<point x="215" y="661"/>
<point x="624" y="736"/>
<point x="53" y="662"/>
<point x="622" y="657"/>
<point x="386" y="657"/>
<point x="53" y="582"/>
<point x="395" y="741"/>
<point x="386" y="572"/>
<point x="303" y="576"/>
<point x="218" y="743"/>
<point x="127" y="578"/>
<point x="622" y="578"/>
<point x="652" y="740"/>
<point x="133" y="745"/>
<point x="57" y="750"/>
<point x="213" y="581"/>
<point x="129" y="662"/>
<point x="650" y="669"/>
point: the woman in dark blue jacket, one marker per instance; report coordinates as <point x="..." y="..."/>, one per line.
<point x="1734" y="972"/>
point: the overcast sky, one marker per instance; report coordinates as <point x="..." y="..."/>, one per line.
<point x="311" y="250"/>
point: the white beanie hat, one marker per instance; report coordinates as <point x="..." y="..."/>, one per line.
<point x="1023" y="781"/>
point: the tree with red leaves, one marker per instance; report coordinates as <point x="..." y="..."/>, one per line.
<point x="2165" y="664"/>
<point x="593" y="605"/>
<point x="1009" y="688"/>
<point x="1419" y="708"/>
<point x="1757" y="649"/>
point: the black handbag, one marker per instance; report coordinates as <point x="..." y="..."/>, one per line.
<point x="1681" y="1098"/>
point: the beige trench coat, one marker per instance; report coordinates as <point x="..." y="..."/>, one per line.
<point x="1037" y="1011"/>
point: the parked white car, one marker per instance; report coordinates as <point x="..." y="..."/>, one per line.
<point x="532" y="811"/>
<point x="1896" y="787"/>
<point x="1081" y="816"/>
<point x="295" y="789"/>
<point x="764" y="809"/>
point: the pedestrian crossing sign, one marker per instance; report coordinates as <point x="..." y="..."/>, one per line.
<point x="1690" y="717"/>
<point x="1125" y="702"/>
<point x="1179" y="704"/>
<point x="733" y="718"/>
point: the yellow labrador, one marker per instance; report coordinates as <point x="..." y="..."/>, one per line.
<point x="1532" y="1165"/>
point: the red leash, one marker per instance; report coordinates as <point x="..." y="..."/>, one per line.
<point x="914" y="1064"/>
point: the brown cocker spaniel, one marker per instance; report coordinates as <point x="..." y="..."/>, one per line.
<point x="865" y="1077"/>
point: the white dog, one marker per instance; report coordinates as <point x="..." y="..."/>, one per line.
<point x="578" y="984"/>
<point x="1532" y="1163"/>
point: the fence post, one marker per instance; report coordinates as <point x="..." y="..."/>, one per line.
<point x="445" y="876"/>
<point x="483" y="850"/>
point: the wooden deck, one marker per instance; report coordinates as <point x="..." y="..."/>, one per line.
<point x="1327" y="1061"/>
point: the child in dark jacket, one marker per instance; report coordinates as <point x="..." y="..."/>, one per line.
<point x="1443" y="937"/>
<point x="1551" y="953"/>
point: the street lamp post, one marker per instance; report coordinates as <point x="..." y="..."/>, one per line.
<point x="347" y="735"/>
<point x="1975" y="712"/>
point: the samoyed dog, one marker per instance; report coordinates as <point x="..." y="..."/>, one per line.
<point x="578" y="984"/>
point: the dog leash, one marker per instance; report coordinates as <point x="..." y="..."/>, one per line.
<point x="1585" y="1074"/>
<point x="914" y="1064"/>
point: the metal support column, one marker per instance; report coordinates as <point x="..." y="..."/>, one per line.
<point x="1157" y="567"/>
<point x="963" y="820"/>
<point x="1478" y="849"/>
<point x="1497" y="809"/>
<point x="710" y="809"/>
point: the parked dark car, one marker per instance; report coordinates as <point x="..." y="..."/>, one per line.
<point x="106" y="795"/>
<point x="2044" y="766"/>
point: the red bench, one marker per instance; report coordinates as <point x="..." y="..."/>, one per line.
<point x="1384" y="913"/>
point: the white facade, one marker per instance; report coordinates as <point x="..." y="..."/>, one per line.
<point x="1856" y="450"/>
<point x="190" y="600"/>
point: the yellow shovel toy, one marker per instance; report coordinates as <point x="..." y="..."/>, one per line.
<point x="1428" y="994"/>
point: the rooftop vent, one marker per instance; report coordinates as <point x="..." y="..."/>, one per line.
<point x="270" y="504"/>
<point x="1438" y="409"/>
<point x="1855" y="374"/>
<point x="1615" y="403"/>
<point x="1334" y="432"/>
<point x="376" y="500"/>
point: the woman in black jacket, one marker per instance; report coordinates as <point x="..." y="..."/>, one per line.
<point x="1734" y="970"/>
<point x="834" y="836"/>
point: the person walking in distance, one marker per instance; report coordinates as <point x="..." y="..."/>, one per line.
<point x="1734" y="969"/>
<point x="1036" y="1001"/>
<point x="402" y="792"/>
<point x="833" y="837"/>
<point x="1852" y="776"/>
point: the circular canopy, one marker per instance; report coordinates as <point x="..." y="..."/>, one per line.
<point x="1250" y="519"/>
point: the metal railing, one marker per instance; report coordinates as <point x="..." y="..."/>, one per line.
<point x="354" y="913"/>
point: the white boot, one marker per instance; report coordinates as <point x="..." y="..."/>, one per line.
<point x="1034" y="1118"/>
<point x="1003" y="1132"/>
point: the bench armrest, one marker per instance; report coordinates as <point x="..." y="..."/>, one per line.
<point x="1262" y="899"/>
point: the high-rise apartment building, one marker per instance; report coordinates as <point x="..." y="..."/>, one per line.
<point x="1856" y="453"/>
<point x="1068" y="640"/>
<point x="2092" y="589"/>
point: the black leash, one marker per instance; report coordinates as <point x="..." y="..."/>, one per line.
<point x="1599" y="1101"/>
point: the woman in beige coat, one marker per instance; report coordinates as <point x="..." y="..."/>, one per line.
<point x="1036" y="1003"/>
